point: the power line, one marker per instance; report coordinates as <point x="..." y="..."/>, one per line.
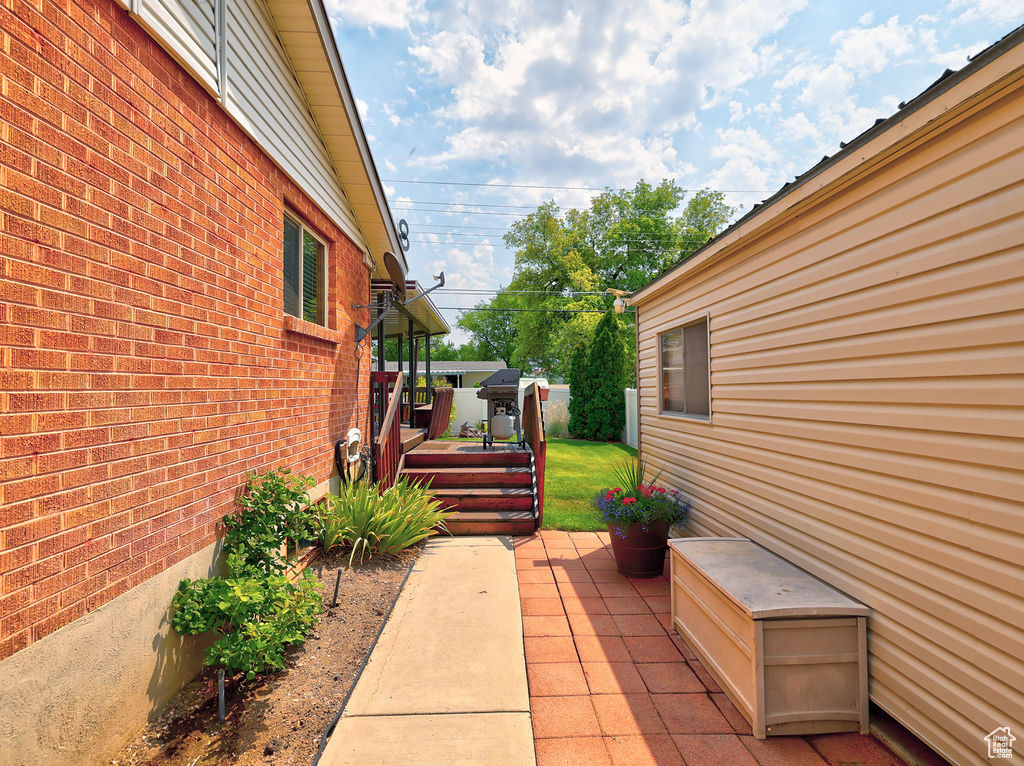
<point x="465" y="204"/>
<point x="548" y="311"/>
<point x="492" y="185"/>
<point x="542" y="186"/>
<point x="474" y="291"/>
<point x="446" y="226"/>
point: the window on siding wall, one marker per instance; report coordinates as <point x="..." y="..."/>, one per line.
<point x="685" y="372"/>
<point x="305" y="273"/>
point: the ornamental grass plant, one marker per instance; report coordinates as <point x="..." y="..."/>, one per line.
<point x="373" y="521"/>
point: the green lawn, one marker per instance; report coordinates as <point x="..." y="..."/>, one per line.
<point x="575" y="472"/>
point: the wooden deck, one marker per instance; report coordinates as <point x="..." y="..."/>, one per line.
<point x="464" y="448"/>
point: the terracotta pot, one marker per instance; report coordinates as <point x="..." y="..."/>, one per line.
<point x="640" y="549"/>
<point x="544" y="393"/>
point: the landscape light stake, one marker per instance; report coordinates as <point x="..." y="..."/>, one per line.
<point x="220" y="694"/>
<point x="334" y="601"/>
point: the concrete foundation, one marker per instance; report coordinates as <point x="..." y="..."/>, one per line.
<point x="78" y="695"/>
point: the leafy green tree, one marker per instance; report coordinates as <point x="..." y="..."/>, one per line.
<point x="578" y="395"/>
<point x="623" y="240"/>
<point x="605" y="403"/>
<point x="493" y="328"/>
<point x="440" y="349"/>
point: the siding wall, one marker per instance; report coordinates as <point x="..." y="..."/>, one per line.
<point x="261" y="92"/>
<point x="867" y="370"/>
<point x="188" y="27"/>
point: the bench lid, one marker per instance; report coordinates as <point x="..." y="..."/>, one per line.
<point x="761" y="583"/>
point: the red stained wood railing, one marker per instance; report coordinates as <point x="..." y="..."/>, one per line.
<point x="533" y="433"/>
<point x="387" y="448"/>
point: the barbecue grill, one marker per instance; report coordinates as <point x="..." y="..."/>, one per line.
<point x="501" y="391"/>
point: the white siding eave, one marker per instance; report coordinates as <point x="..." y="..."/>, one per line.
<point x="274" y="68"/>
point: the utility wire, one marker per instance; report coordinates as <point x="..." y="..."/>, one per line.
<point x="548" y="311"/>
<point x="541" y="186"/>
<point x="479" y="291"/>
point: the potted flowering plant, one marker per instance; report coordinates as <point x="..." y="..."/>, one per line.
<point x="638" y="516"/>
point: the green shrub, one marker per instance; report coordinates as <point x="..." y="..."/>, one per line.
<point x="349" y="517"/>
<point x="371" y="521"/>
<point x="257" y="618"/>
<point x="555" y="429"/>
<point x="255" y="609"/>
<point x="408" y="515"/>
<point x="578" y="393"/>
<point x="273" y="515"/>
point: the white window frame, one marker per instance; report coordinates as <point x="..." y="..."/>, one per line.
<point x="689" y="322"/>
<point x="304" y="229"/>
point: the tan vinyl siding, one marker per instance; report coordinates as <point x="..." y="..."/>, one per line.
<point x="867" y="378"/>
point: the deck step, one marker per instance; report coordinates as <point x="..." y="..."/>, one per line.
<point x="480" y="476"/>
<point x="491" y="523"/>
<point x="412" y="437"/>
<point x="486" y="499"/>
<point x="454" y="459"/>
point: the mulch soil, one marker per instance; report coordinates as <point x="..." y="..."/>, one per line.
<point x="279" y="718"/>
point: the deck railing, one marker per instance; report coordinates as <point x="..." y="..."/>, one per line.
<point x="533" y="432"/>
<point x="388" y="446"/>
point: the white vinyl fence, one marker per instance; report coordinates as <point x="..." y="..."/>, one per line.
<point x="469" y="409"/>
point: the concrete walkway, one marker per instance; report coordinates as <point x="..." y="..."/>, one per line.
<point x="446" y="683"/>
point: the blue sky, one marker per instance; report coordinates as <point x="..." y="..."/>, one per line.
<point x="734" y="95"/>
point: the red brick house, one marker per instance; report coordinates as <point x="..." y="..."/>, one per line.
<point x="189" y="223"/>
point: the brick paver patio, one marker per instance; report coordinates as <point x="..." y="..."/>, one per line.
<point x="612" y="683"/>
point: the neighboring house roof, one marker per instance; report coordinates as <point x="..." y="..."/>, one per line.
<point x="449" y="368"/>
<point x="875" y="144"/>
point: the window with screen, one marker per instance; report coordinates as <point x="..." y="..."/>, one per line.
<point x="685" y="373"/>
<point x="305" y="277"/>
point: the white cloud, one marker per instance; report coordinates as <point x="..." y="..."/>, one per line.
<point x="392" y="116"/>
<point x="596" y="91"/>
<point x="996" y="13"/>
<point x="386" y="14"/>
<point x="871" y="50"/>
<point x="737" y="111"/>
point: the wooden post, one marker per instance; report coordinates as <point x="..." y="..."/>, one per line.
<point x="412" y="371"/>
<point x="382" y="392"/>
<point x="430" y="386"/>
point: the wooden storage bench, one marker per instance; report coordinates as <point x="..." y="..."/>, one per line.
<point x="789" y="650"/>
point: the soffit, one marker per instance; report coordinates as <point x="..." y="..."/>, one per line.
<point x="306" y="36"/>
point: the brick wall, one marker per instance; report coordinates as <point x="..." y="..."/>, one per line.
<point x="145" y="362"/>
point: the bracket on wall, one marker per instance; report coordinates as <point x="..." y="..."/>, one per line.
<point x="389" y="297"/>
<point x="362" y="332"/>
<point x="440" y="283"/>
